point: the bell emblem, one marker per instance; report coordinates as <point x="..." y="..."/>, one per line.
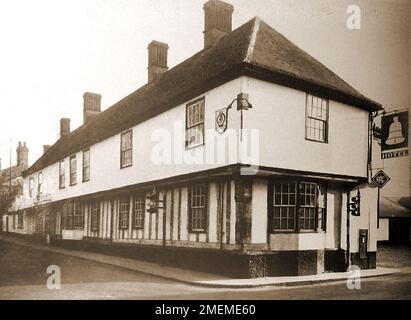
<point x="395" y="133"/>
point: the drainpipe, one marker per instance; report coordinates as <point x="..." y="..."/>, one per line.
<point x="348" y="257"/>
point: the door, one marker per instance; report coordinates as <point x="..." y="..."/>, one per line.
<point x="7" y="224"/>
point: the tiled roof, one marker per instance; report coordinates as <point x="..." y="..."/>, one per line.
<point x="254" y="49"/>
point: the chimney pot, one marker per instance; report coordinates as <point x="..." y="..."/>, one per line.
<point x="92" y="106"/>
<point x="64" y="127"/>
<point x="46" y="148"/>
<point x="22" y="155"/>
<point x="157" y="60"/>
<point x="218" y="21"/>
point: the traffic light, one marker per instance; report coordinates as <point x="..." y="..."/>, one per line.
<point x="355" y="204"/>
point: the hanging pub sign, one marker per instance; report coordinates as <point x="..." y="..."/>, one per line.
<point x="221" y="120"/>
<point x="394" y="135"/>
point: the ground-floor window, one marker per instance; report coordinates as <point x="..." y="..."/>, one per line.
<point x="78" y="216"/>
<point x="198" y="208"/>
<point x="20" y="220"/>
<point x="94" y="216"/>
<point x="124" y="213"/>
<point x="139" y="211"/>
<point x="73" y="216"/>
<point x="297" y="206"/>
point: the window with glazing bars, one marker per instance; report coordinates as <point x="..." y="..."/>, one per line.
<point x="198" y="208"/>
<point x="40" y="183"/>
<point x="86" y="165"/>
<point x="139" y="211"/>
<point x="298" y="206"/>
<point x="316" y="123"/>
<point x="62" y="176"/>
<point x="20" y="220"/>
<point x="94" y="216"/>
<point x="124" y="213"/>
<point x="73" y="170"/>
<point x="308" y="206"/>
<point x="195" y="124"/>
<point x="126" y="149"/>
<point x="31" y="187"/>
<point x="78" y="216"/>
<point x="285" y="202"/>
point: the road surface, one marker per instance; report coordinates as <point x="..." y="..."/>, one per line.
<point x="23" y="276"/>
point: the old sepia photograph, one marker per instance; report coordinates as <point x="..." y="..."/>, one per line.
<point x="205" y="150"/>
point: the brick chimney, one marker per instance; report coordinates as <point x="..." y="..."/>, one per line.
<point x="157" y="60"/>
<point x="64" y="127"/>
<point x="92" y="106"/>
<point x="22" y="155"/>
<point x="218" y="21"/>
<point x="46" y="148"/>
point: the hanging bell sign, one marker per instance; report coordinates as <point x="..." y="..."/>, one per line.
<point x="394" y="135"/>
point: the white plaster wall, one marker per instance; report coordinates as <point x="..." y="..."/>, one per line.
<point x="259" y="212"/>
<point x="297" y="241"/>
<point x="279" y="113"/>
<point x="384" y="230"/>
<point x="105" y="155"/>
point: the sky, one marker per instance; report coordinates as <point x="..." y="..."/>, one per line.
<point x="52" y="51"/>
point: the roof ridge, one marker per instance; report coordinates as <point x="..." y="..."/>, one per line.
<point x="253" y="39"/>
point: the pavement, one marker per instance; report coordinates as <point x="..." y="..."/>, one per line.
<point x="195" y="278"/>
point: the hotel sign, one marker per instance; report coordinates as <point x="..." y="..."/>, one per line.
<point x="394" y="135"/>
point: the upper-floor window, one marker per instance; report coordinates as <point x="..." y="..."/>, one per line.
<point x="94" y="216"/>
<point x="31" y="187"/>
<point x="298" y="206"/>
<point x="198" y="208"/>
<point x="195" y="124"/>
<point x="126" y="149"/>
<point x="124" y="213"/>
<point x="73" y="170"/>
<point x="62" y="175"/>
<point x="40" y="183"/>
<point x="139" y="211"/>
<point x="316" y="123"/>
<point x="86" y="165"/>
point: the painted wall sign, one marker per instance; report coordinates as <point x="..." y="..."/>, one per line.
<point x="221" y="120"/>
<point x="394" y="135"/>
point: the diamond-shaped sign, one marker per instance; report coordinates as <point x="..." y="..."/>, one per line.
<point x="381" y="179"/>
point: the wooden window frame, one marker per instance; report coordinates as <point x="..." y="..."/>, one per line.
<point x="299" y="207"/>
<point x="139" y="213"/>
<point x="31" y="187"/>
<point x="78" y="216"/>
<point x="73" y="173"/>
<point x="94" y="216"/>
<point x="310" y="117"/>
<point x="20" y="220"/>
<point x="123" y="151"/>
<point x="62" y="174"/>
<point x="86" y="167"/>
<point x="195" y="126"/>
<point x="124" y="216"/>
<point x="40" y="183"/>
<point x="203" y="208"/>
